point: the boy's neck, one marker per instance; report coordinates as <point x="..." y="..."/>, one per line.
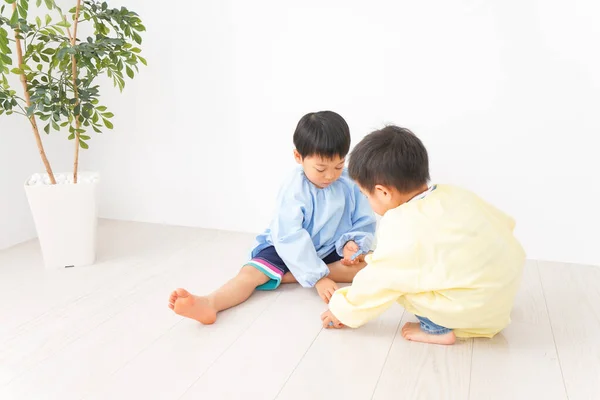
<point x="403" y="198"/>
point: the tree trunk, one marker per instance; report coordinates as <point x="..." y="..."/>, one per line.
<point x="75" y="92"/>
<point x="32" y="119"/>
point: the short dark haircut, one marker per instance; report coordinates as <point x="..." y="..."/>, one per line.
<point x="393" y="157"/>
<point x="324" y="134"/>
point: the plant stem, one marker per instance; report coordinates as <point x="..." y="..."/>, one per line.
<point x="34" y="126"/>
<point x="75" y="91"/>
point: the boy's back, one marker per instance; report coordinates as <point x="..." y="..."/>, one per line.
<point x="460" y="254"/>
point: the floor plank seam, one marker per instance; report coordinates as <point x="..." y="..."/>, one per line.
<point x="298" y="364"/>
<point x="131" y="269"/>
<point x="562" y="374"/>
<point x="471" y="368"/>
<point x="388" y="354"/>
<point x="75" y="339"/>
<point x="141" y="351"/>
<point x="269" y="305"/>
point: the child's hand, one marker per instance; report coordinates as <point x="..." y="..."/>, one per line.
<point x="326" y="288"/>
<point x="330" y="321"/>
<point x="350" y="249"/>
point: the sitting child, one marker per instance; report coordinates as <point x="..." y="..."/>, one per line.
<point x="322" y="229"/>
<point x="443" y="253"/>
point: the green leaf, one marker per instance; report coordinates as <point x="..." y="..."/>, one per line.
<point x="5" y="59"/>
<point x="14" y="20"/>
<point x="79" y="130"/>
<point x="143" y="60"/>
<point x="38" y="22"/>
<point x="83" y="145"/>
<point x="71" y="136"/>
<point x="25" y="67"/>
<point x="84" y="137"/>
<point x="17" y="71"/>
<point x="25" y="4"/>
<point x="64" y="23"/>
<point x="10" y="1"/>
<point x="49" y="51"/>
<point x="49" y="4"/>
<point x="55" y="126"/>
<point x="38" y="3"/>
<point x="107" y="123"/>
<point x="96" y="129"/>
<point x="101" y="108"/>
<point x="48" y="19"/>
<point x="22" y="11"/>
<point x="108" y="115"/>
<point x="129" y="72"/>
<point x="47" y="129"/>
<point x="137" y="38"/>
<point x="136" y="50"/>
<point x="40" y="67"/>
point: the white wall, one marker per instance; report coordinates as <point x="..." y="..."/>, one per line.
<point x="19" y="159"/>
<point x="504" y="94"/>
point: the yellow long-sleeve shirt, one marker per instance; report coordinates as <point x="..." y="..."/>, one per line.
<point x="450" y="257"/>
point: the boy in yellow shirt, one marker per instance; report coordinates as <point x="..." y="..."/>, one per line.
<point x="443" y="253"/>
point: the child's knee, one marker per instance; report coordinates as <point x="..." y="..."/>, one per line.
<point x="252" y="274"/>
<point x="354" y="268"/>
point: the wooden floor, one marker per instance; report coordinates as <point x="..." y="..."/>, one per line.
<point x="105" y="332"/>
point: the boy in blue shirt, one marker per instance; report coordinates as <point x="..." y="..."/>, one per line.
<point x="322" y="229"/>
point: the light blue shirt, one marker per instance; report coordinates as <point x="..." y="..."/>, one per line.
<point x="310" y="223"/>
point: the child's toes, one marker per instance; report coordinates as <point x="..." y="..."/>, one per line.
<point x="404" y="331"/>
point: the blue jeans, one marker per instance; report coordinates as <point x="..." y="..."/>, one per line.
<point x="429" y="327"/>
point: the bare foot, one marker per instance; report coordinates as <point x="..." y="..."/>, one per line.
<point x="412" y="331"/>
<point x="195" y="307"/>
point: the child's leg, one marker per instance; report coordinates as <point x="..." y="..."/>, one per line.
<point x="205" y="308"/>
<point x="338" y="272"/>
<point x="344" y="273"/>
<point x="426" y="331"/>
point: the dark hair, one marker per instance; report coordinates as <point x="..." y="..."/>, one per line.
<point x="393" y="157"/>
<point x="324" y="133"/>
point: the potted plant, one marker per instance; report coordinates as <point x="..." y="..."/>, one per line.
<point x="57" y="90"/>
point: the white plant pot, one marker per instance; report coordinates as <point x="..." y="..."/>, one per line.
<point x="65" y="217"/>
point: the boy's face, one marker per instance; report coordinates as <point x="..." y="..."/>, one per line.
<point x="322" y="172"/>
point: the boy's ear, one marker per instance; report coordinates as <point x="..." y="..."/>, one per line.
<point x="382" y="190"/>
<point x="297" y="157"/>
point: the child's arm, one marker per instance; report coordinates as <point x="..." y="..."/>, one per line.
<point x="294" y="244"/>
<point x="363" y="226"/>
<point x="392" y="271"/>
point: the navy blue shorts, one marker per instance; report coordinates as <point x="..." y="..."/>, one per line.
<point x="268" y="262"/>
